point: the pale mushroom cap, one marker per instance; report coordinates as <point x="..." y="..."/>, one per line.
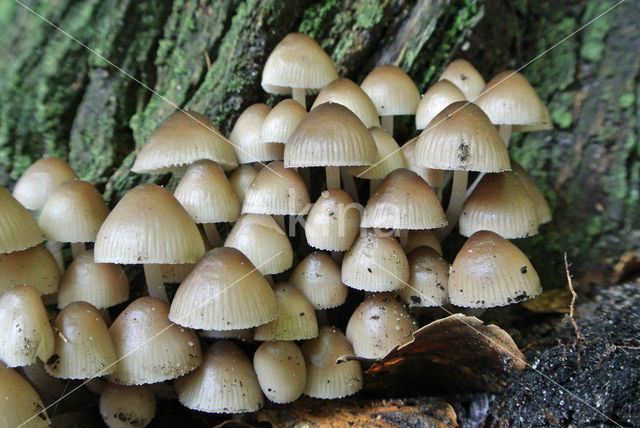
<point x="281" y="121"/>
<point x="543" y="212"/>
<point x="325" y="377"/>
<point x="40" y="180"/>
<point x="375" y="262"/>
<point x="224" y="383"/>
<point x="276" y="191"/>
<point x="124" y="406"/>
<point x="297" y="62"/>
<point x="428" y="281"/>
<point x="465" y="76"/>
<point x="490" y="271"/>
<point x="435" y="177"/>
<point x="87" y="349"/>
<point x="281" y="371"/>
<point x="260" y="238"/>
<point x="241" y="178"/>
<point x="205" y="192"/>
<point x="18" y="229"/>
<point x="224" y="291"/>
<point x="34" y="266"/>
<point x="330" y="135"/>
<point x="73" y="213"/>
<point x="349" y="94"/>
<point x="148" y="225"/>
<point x="245" y="137"/>
<point x="499" y="203"/>
<point x="101" y="284"/>
<point x="26" y="333"/>
<point x="378" y="325"/>
<point x="419" y="238"/>
<point x="333" y="221"/>
<point x="437" y="97"/>
<point x="318" y="277"/>
<point x="20" y="404"/>
<point x="296" y="319"/>
<point x="392" y="91"/>
<point x="149" y="347"/>
<point x="389" y="157"/>
<point x="509" y="99"/>
<point x="461" y="137"/>
<point x="403" y="201"/>
<point x="184" y="138"/>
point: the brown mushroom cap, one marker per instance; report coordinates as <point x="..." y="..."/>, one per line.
<point x="39" y="180"/>
<point x="349" y="94"/>
<point x="276" y="191"/>
<point x="429" y="279"/>
<point x="420" y="238"/>
<point x="465" y="76"/>
<point x="18" y="229"/>
<point x="333" y="222"/>
<point x="34" y="266"/>
<point x="437" y="97"/>
<point x="318" y="277"/>
<point x="392" y="91"/>
<point x="435" y="177"/>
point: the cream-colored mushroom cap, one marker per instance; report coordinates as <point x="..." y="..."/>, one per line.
<point x="20" y="405"/>
<point x="375" y="262"/>
<point x="182" y="139"/>
<point x="465" y="76"/>
<point x="18" y="229"/>
<point x="543" y="212"/>
<point x="241" y="178"/>
<point x="127" y="406"/>
<point x="419" y="238"/>
<point x="224" y="291"/>
<point x="330" y="135"/>
<point x="389" y="157"/>
<point x="73" y="213"/>
<point x="429" y="279"/>
<point x="260" y="238"/>
<point x="501" y="204"/>
<point x="325" y="377"/>
<point x="34" y="266"/>
<point x="277" y="191"/>
<point x="509" y="99"/>
<point x="391" y="90"/>
<point x="245" y="137"/>
<point x="462" y="138"/>
<point x="318" y="277"/>
<point x="84" y="349"/>
<point x="435" y="177"/>
<point x="297" y="62"/>
<point x="26" y="333"/>
<point x="333" y="221"/>
<point x="148" y="225"/>
<point x="296" y="319"/>
<point x="205" y="192"/>
<point x="224" y="383"/>
<point x="39" y="180"/>
<point x="378" y="325"/>
<point x="437" y="97"/>
<point x="281" y="121"/>
<point x="490" y="271"/>
<point x="403" y="201"/>
<point x="149" y="347"/>
<point x="281" y="371"/>
<point x="349" y="94"/>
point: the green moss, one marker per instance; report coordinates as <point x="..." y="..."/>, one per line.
<point x="594" y="34"/>
<point x="316" y="16"/>
<point x="626" y="100"/>
<point x="561" y="109"/>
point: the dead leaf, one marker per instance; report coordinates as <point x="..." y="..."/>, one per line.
<point x="627" y="268"/>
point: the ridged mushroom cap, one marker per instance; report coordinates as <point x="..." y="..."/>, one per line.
<point x="465" y="76"/>
<point x="349" y="94"/>
<point x="435" y="177"/>
<point x="540" y="204"/>
<point x="39" y="180"/>
<point x="276" y="190"/>
<point x="281" y="121"/>
<point x="241" y="178"/>
<point x="18" y="229"/>
<point x="34" y="266"/>
<point x="389" y="157"/>
<point x="437" y="97"/>
<point x="392" y="91"/>
<point x="245" y="137"/>
<point x="333" y="221"/>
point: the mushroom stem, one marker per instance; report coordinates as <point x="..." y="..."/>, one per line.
<point x="458" y="196"/>
<point x="300" y="95"/>
<point x="387" y="123"/>
<point x="333" y="177"/>
<point x="349" y="185"/>
<point x="77" y="248"/>
<point x="212" y="235"/>
<point x="505" y="133"/>
<point x="56" y="251"/>
<point x="404" y="237"/>
<point x="155" y="284"/>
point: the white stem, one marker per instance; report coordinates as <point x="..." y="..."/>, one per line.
<point x="212" y="235"/>
<point x="155" y="284"/>
<point x="333" y="177"/>
<point x="505" y="133"/>
<point x="458" y="195"/>
<point x="387" y="124"/>
<point x="56" y="251"/>
<point x="349" y="185"/>
<point x="300" y="95"/>
<point x="475" y="183"/>
<point x="77" y="248"/>
<point x="404" y="237"/>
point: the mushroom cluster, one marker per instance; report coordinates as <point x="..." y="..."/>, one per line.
<point x="256" y="286"/>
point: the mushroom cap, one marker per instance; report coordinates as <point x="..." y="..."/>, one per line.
<point x="297" y="62"/>
<point x="241" y="178"/>
<point x="392" y="91"/>
<point x="183" y="138"/>
<point x="509" y="99"/>
<point x="318" y="277"/>
<point x="281" y="121"/>
<point x="437" y="97"/>
<point x="333" y="221"/>
<point x="404" y="201"/>
<point x="490" y="271"/>
<point x="330" y="135"/>
<point x="349" y="94"/>
<point x="20" y="405"/>
<point x="281" y="371"/>
<point x="224" y="291"/>
<point x="34" y="266"/>
<point x="39" y="180"/>
<point x="543" y="212"/>
<point x="124" y="406"/>
<point x="276" y="190"/>
<point x="149" y="347"/>
<point x="499" y="203"/>
<point x="389" y="157"/>
<point x="147" y="226"/>
<point x="224" y="383"/>
<point x="461" y="137"/>
<point x="18" y="229"/>
<point x="73" y="213"/>
<point x="205" y="192"/>
<point x="428" y="281"/>
<point x="465" y="76"/>
<point x="245" y="137"/>
<point x="435" y="177"/>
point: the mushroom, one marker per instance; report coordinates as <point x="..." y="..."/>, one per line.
<point x="124" y="406"/>
<point x="437" y="97"/>
<point x="20" y="405"/>
<point x="18" y="229"/>
<point x="245" y="137"/>
<point x="428" y="280"/>
<point x="333" y="222"/>
<point x="281" y="371"/>
<point x="349" y="94"/>
<point x="34" y="266"/>
<point x="40" y="180"/>
<point x="241" y="178"/>
<point x="465" y="76"/>
<point x="318" y="277"/>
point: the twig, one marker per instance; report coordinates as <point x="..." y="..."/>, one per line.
<point x="574" y="297"/>
<point x="207" y="59"/>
